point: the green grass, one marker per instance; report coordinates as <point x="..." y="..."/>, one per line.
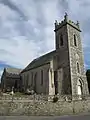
<point x="19" y="94"/>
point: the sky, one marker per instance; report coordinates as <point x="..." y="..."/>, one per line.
<point x="27" y="28"/>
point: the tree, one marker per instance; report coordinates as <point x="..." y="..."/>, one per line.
<point x="88" y="78"/>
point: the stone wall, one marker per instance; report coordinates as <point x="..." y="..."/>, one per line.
<point x="76" y="56"/>
<point x="39" y="107"/>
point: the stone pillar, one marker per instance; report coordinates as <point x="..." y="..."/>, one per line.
<point x="60" y="79"/>
<point x="51" y="82"/>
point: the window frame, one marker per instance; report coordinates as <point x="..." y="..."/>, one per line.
<point x="61" y="43"/>
<point x="78" y="67"/>
<point x="75" y="40"/>
<point x="31" y="78"/>
<point x="41" y="77"/>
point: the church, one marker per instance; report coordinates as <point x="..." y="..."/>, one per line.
<point x="60" y="71"/>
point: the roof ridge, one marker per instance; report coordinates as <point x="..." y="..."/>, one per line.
<point x="39" y="61"/>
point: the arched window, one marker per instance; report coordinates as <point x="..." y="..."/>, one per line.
<point x="78" y="69"/>
<point x="16" y="84"/>
<point x="61" y="40"/>
<point x="31" y="78"/>
<point x="75" y="43"/>
<point x="35" y="83"/>
<point x="27" y="81"/>
<point x="41" y="77"/>
<point x="35" y="76"/>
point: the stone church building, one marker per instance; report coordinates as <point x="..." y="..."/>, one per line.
<point x="62" y="70"/>
<point x="10" y="78"/>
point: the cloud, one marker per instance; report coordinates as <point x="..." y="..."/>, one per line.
<point x="19" y="54"/>
<point x="63" y="5"/>
<point x="26" y="28"/>
<point x="13" y="7"/>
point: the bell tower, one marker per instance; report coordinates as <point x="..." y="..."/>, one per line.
<point x="70" y="58"/>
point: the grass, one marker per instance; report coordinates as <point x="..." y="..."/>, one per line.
<point x="19" y="94"/>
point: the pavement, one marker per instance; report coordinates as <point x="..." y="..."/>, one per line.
<point x="67" y="117"/>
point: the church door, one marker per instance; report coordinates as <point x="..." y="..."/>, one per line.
<point x="79" y="89"/>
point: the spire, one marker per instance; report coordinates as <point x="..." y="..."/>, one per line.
<point x="78" y="23"/>
<point x="56" y="22"/>
<point x="66" y="16"/>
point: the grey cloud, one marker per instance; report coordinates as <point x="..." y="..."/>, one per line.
<point x="80" y="14"/>
<point x="85" y="3"/>
<point x="86" y="25"/>
<point x="22" y="27"/>
<point x="5" y="52"/>
<point x="40" y="18"/>
<point x="26" y="29"/>
<point x="63" y="6"/>
<point x="12" y="6"/>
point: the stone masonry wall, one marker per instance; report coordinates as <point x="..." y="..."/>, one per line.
<point x="76" y="56"/>
<point x="35" y="107"/>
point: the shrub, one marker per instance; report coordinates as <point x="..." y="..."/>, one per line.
<point x="55" y="99"/>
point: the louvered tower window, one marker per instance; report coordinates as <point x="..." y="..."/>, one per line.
<point x="75" y="43"/>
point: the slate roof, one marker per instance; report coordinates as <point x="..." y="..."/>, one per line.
<point x="40" y="61"/>
<point x="13" y="70"/>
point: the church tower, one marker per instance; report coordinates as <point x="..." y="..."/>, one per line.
<point x="70" y="62"/>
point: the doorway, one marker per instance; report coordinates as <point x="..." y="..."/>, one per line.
<point x="79" y="89"/>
